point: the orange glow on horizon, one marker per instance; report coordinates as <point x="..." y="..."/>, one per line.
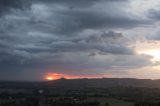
<point x="49" y="78"/>
<point x="55" y="76"/>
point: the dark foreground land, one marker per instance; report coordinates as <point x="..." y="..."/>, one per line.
<point x="82" y="92"/>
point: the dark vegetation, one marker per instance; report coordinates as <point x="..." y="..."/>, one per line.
<point x="81" y="92"/>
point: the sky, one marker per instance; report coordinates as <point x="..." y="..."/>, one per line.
<point x="50" y="39"/>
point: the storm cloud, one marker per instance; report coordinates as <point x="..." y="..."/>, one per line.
<point x="73" y="36"/>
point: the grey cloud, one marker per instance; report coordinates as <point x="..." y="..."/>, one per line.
<point x="90" y="19"/>
<point x="110" y="42"/>
<point x="55" y="35"/>
<point x="154" y="14"/>
<point x="75" y="55"/>
<point x="7" y="5"/>
<point x="83" y="62"/>
<point x="78" y="3"/>
<point x="73" y="3"/>
<point x="154" y="36"/>
<point x="72" y="21"/>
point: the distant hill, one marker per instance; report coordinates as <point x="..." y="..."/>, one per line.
<point x="104" y="82"/>
<point x="82" y="83"/>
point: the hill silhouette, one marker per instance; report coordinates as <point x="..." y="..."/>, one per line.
<point x="82" y="83"/>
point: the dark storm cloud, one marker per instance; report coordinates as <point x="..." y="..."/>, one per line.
<point x="7" y="5"/>
<point x="67" y="35"/>
<point x="154" y="14"/>
<point x="104" y="42"/>
<point x="89" y="19"/>
<point x="95" y="16"/>
<point x="81" y="3"/>
<point x="73" y="3"/>
<point x="74" y="54"/>
<point x="72" y="20"/>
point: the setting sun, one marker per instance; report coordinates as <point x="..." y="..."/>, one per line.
<point x="53" y="76"/>
<point x="49" y="78"/>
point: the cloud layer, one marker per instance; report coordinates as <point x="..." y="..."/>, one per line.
<point x="70" y="37"/>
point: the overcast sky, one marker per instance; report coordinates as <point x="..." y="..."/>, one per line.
<point x="79" y="38"/>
